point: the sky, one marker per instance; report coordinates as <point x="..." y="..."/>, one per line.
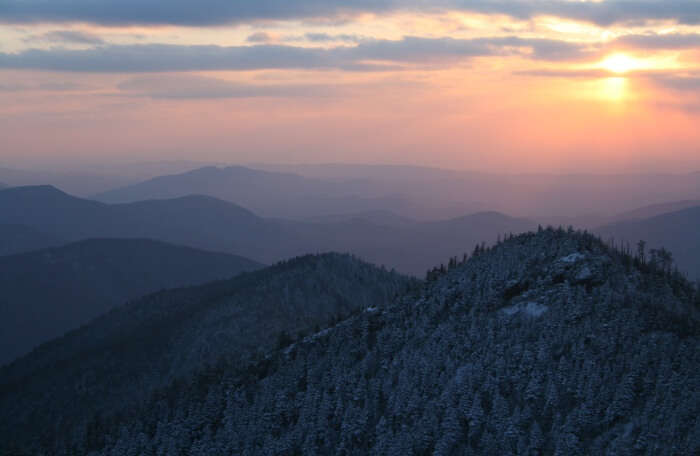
<point x="500" y="86"/>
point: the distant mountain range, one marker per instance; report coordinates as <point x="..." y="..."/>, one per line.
<point x="677" y="231"/>
<point x="657" y="209"/>
<point x="117" y="361"/>
<point x="196" y="221"/>
<point x="86" y="179"/>
<point x="209" y="223"/>
<point x="22" y="238"/>
<point x="48" y="292"/>
<point x="421" y="193"/>
<point x="76" y="182"/>
<point x="381" y="237"/>
<point x="376" y="217"/>
<point x="548" y="343"/>
<point x="266" y="193"/>
<point x="442" y="193"/>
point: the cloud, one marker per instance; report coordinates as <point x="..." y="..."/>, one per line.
<point x="546" y="49"/>
<point x="166" y="57"/>
<point x="660" y="42"/>
<point x="200" y="87"/>
<point x="604" y="12"/>
<point x="677" y="82"/>
<point x="12" y="87"/>
<point x="328" y="38"/>
<point x="362" y="57"/>
<point x="259" y="37"/>
<point x="59" y="86"/>
<point x="181" y="12"/>
<point x="567" y="74"/>
<point x="213" y="12"/>
<point x="67" y="36"/>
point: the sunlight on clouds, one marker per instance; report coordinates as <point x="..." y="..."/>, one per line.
<point x="621" y="63"/>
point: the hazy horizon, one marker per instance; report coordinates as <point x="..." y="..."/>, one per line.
<point x="67" y="165"/>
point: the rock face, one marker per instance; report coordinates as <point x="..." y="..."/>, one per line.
<point x="548" y="343"/>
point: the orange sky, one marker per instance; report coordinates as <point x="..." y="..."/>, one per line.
<point x="444" y="87"/>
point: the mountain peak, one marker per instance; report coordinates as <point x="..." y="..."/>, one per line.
<point x="543" y="270"/>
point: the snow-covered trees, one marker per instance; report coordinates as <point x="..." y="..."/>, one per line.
<point x="609" y="364"/>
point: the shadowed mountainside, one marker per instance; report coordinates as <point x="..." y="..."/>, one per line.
<point x="48" y="292"/>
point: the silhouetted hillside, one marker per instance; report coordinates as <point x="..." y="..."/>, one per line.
<point x="21" y="238"/>
<point x="679" y="232"/>
<point x="48" y="292"/>
<point x="549" y="343"/>
<point x="115" y="362"/>
<point x="196" y="221"/>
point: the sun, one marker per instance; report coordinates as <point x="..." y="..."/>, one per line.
<point x="620" y="63"/>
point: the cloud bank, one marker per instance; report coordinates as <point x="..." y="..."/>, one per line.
<point x="364" y="56"/>
<point x="217" y="12"/>
<point x="182" y="87"/>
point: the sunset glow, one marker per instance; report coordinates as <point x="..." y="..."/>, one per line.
<point x="328" y="84"/>
<point x="621" y="63"/>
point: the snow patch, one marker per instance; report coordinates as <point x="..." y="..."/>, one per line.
<point x="535" y="309"/>
<point x="573" y="258"/>
<point x="289" y="349"/>
<point x="532" y="309"/>
<point x="584" y="274"/>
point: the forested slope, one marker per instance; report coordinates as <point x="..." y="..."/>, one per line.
<point x="549" y="343"/>
<point x="112" y="365"/>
